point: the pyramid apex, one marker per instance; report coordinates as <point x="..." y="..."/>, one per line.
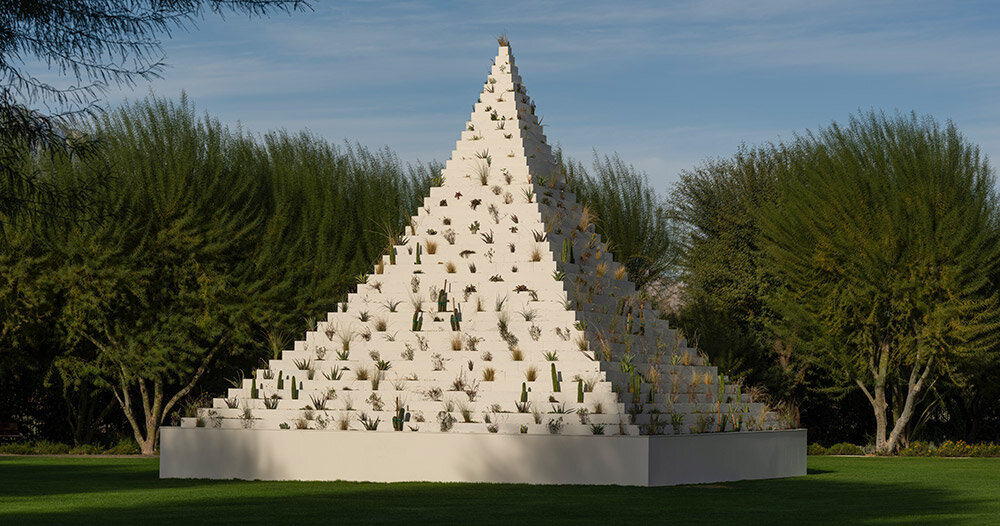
<point x="503" y="41"/>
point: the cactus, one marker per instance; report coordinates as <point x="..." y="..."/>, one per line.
<point x="420" y="322"/>
<point x="295" y="390"/>
<point x="443" y="298"/>
<point x="399" y="418"/>
<point x="392" y="255"/>
<point x="418" y="253"/>
<point x="281" y="381"/>
<point x="555" y="379"/>
<point x="572" y="258"/>
<point x="565" y="250"/>
<point x="253" y="387"/>
<point x="416" y="319"/>
<point x="524" y="392"/>
<point x="579" y="391"/>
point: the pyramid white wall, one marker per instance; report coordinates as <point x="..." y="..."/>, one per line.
<point x="500" y="311"/>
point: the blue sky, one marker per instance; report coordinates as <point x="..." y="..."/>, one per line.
<point x="664" y="84"/>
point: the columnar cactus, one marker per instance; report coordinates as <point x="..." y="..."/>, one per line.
<point x="555" y="379"/>
<point x="442" y="298"/>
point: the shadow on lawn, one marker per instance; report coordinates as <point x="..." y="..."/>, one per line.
<point x="128" y="490"/>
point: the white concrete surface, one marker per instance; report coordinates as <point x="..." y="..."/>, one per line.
<point x="472" y="457"/>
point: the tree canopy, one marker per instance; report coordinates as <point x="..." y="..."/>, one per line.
<point x="91" y="45"/>
<point x="885" y="236"/>
<point x="212" y="242"/>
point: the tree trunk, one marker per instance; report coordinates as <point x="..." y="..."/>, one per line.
<point x="888" y="441"/>
<point x="879" y="368"/>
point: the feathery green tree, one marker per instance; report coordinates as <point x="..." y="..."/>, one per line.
<point x="724" y="270"/>
<point x="210" y="242"/>
<point x="91" y="44"/>
<point x="885" y="234"/>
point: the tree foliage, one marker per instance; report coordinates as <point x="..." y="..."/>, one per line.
<point x="211" y="241"/>
<point x="90" y="45"/>
<point x="884" y="234"/>
<point x="629" y="214"/>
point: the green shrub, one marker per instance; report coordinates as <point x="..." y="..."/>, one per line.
<point x="816" y="449"/>
<point x="16" y="448"/>
<point x="917" y="449"/>
<point x="45" y="447"/>
<point x="86" y="449"/>
<point x="986" y="450"/>
<point x="953" y="449"/>
<point x="844" y="448"/>
<point x="124" y="446"/>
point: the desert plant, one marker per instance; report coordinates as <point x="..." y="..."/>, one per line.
<point x="531" y="373"/>
<point x="555" y="426"/>
<point x="318" y="402"/>
<point x="437" y="362"/>
<point x="271" y="402"/>
<point x="345" y="339"/>
<point x="551" y="356"/>
<point x="489" y="374"/>
<point x="446" y="420"/>
<point x="246" y="418"/>
<point x="368" y="423"/>
<point x="561" y="409"/>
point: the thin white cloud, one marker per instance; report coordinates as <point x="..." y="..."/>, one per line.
<point x="641" y="79"/>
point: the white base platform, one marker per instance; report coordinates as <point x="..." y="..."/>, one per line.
<point x="453" y="457"/>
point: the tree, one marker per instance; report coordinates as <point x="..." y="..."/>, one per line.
<point x="725" y="272"/>
<point x="629" y="215"/>
<point x="92" y="44"/>
<point x="158" y="291"/>
<point x="209" y="240"/>
<point x="885" y="234"/>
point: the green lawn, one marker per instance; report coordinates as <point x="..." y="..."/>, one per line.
<point x="837" y="490"/>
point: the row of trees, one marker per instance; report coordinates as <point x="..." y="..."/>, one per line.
<point x="852" y="272"/>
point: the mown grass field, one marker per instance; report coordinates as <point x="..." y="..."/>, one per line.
<point x="838" y="490"/>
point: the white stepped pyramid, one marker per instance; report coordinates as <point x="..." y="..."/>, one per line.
<point x="499" y="314"/>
